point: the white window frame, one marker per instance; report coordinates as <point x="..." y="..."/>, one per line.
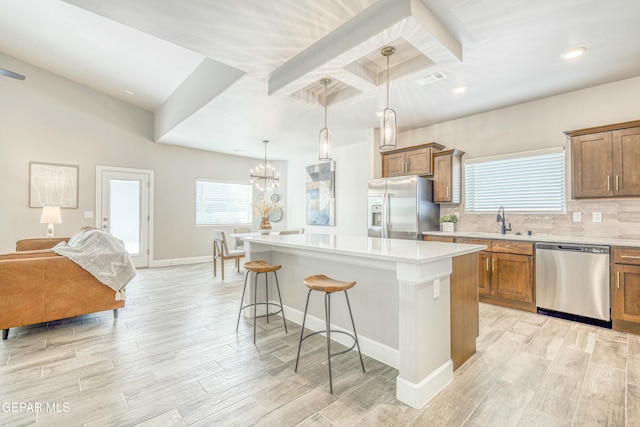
<point x="524" y="182"/>
<point x="202" y="221"/>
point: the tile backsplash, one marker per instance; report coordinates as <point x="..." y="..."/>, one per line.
<point x="620" y="220"/>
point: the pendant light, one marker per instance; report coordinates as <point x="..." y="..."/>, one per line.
<point x="265" y="176"/>
<point x="324" y="148"/>
<point x="388" y="119"/>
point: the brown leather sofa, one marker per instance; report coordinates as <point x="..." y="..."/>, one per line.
<point x="37" y="285"/>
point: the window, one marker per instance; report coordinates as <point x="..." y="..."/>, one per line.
<point x="521" y="182"/>
<point x="222" y="203"/>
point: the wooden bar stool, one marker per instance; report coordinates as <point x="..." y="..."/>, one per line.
<point x="328" y="285"/>
<point x="261" y="267"/>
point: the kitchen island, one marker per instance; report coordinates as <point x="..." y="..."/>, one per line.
<point x="401" y="303"/>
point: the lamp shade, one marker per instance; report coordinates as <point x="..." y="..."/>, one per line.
<point x="50" y="215"/>
<point x="325" y="145"/>
<point x="388" y="129"/>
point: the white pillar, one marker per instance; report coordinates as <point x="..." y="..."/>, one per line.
<point x="425" y="331"/>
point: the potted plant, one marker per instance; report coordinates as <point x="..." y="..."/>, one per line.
<point x="447" y="223"/>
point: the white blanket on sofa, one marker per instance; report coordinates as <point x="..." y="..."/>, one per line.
<point x="102" y="255"/>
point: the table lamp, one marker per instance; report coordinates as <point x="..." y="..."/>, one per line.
<point x="50" y="215"/>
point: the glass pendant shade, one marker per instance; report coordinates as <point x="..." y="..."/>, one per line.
<point x="324" y="148"/>
<point x="388" y="129"/>
<point x="324" y="141"/>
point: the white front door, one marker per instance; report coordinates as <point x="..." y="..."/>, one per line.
<point x="122" y="197"/>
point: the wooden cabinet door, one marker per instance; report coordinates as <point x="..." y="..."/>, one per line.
<point x="418" y="162"/>
<point x="484" y="273"/>
<point x="442" y="179"/>
<point x="591" y="163"/>
<point x="511" y="277"/>
<point x="393" y="164"/>
<point x="625" y="293"/>
<point x="626" y="162"/>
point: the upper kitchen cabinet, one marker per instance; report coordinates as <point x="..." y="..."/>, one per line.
<point x="416" y="160"/>
<point x="446" y="176"/>
<point x="605" y="161"/>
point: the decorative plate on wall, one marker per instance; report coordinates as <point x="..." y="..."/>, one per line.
<point x="276" y="215"/>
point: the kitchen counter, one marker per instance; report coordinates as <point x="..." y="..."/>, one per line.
<point x="396" y="250"/>
<point x="401" y="303"/>
<point x="538" y="238"/>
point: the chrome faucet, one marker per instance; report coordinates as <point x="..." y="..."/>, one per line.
<point x="500" y="218"/>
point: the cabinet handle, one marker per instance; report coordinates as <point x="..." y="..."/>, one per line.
<point x="608" y="183"/>
<point x="630" y="256"/>
<point x="487" y="264"/>
<point x="618" y="280"/>
<point x="493" y="264"/>
<point x="617" y="187"/>
<point x="447" y="191"/>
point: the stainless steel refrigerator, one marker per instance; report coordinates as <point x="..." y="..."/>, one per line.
<point x="401" y="207"/>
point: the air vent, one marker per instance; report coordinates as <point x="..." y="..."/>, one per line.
<point x="431" y="78"/>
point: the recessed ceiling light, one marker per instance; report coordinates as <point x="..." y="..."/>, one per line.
<point x="574" y="53"/>
<point x="239" y="150"/>
<point x="128" y="92"/>
<point x="459" y="89"/>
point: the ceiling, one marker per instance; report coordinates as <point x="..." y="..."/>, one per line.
<point x="224" y="75"/>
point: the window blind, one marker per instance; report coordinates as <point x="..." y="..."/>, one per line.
<point x="523" y="182"/>
<point x="222" y="203"/>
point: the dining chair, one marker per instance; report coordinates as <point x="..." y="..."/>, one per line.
<point x="239" y="241"/>
<point x="221" y="252"/>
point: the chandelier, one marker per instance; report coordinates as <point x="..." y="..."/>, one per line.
<point x="264" y="175"/>
<point x="388" y="118"/>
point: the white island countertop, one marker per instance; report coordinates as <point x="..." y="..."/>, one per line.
<point x="397" y="250"/>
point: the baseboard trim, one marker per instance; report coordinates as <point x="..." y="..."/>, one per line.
<point x="380" y="352"/>
<point x="419" y="394"/>
<point x="181" y="261"/>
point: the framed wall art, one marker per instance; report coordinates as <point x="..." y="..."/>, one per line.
<point x="321" y="195"/>
<point x="52" y="184"/>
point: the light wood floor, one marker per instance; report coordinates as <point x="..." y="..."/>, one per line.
<point x="173" y="358"/>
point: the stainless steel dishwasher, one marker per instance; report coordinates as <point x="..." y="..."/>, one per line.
<point x="574" y="280"/>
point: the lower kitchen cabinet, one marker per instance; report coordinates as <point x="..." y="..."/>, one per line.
<point x="505" y="273"/>
<point x="625" y="289"/>
<point x="511" y="277"/>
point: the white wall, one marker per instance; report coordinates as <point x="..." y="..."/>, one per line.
<point x="49" y="119"/>
<point x="352" y="172"/>
<point x="536" y="124"/>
